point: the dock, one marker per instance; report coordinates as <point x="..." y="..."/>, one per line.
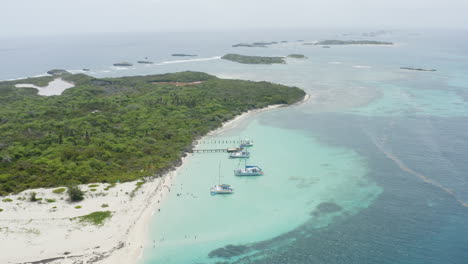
<point x="218" y="145"/>
<point x="216" y="150"/>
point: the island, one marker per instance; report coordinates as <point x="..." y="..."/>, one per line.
<point x="123" y="64"/>
<point x="183" y="55"/>
<point x="297" y="56"/>
<point x="352" y="42"/>
<point x="94" y="163"/>
<point x="417" y="69"/>
<point x="253" y="59"/>
<point x="57" y="72"/>
<point x="141" y="125"/>
<point x="145" y="62"/>
<point x="86" y="70"/>
<point x="255" y="44"/>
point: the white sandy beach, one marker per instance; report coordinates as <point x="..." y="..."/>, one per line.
<point x="55" y="87"/>
<point x="33" y="231"/>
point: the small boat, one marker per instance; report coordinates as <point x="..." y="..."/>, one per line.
<point x="246" y="143"/>
<point x="239" y="155"/>
<point x="249" y="171"/>
<point x="221" y="188"/>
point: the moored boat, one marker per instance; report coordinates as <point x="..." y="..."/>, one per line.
<point x="222" y="189"/>
<point x="239" y="155"/>
<point x="249" y="171"/>
<point x="246" y="143"/>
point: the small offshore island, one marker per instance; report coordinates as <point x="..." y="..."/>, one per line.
<point x="417" y="69"/>
<point x="349" y="42"/>
<point x="245" y="59"/>
<point x="255" y="44"/>
<point x="297" y="56"/>
<point x="145" y="62"/>
<point x="183" y="55"/>
<point x="123" y="64"/>
<point x="115" y="139"/>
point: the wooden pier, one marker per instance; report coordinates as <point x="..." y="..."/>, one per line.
<point x="216" y="150"/>
<point x="218" y="145"/>
<point x="217" y="141"/>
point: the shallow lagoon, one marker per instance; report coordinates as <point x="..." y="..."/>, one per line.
<point x="300" y="174"/>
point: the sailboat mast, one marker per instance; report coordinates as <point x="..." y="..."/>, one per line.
<point x="219" y="173"/>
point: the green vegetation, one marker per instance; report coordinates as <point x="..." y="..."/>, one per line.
<point x="137" y="187"/>
<point x="75" y="193"/>
<point x="112" y="185"/>
<point x="50" y="200"/>
<point x="143" y="126"/>
<point x="297" y="56"/>
<point x="253" y="59"/>
<point x="7" y="200"/>
<point x="95" y="218"/>
<point x="32" y="197"/>
<point x="93" y="185"/>
<point x="59" y="190"/>
<point x="78" y="207"/>
<point x="104" y="205"/>
<point x="1" y="210"/>
<point x="57" y="72"/>
<point x="352" y="42"/>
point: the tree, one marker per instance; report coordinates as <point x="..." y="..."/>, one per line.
<point x="75" y="193"/>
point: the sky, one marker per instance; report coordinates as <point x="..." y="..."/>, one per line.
<point x="57" y="17"/>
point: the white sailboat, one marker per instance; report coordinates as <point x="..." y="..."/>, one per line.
<point x="221" y="188"/>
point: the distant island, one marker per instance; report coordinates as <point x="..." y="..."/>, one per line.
<point x="255" y="44"/>
<point x="297" y="56"/>
<point x="253" y="59"/>
<point x="58" y="72"/>
<point x="351" y="42"/>
<point x="183" y="55"/>
<point x="86" y="69"/>
<point x="145" y="62"/>
<point x="134" y="126"/>
<point x="416" y="69"/>
<point x="123" y="64"/>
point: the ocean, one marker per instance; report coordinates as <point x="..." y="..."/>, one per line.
<point x="371" y="169"/>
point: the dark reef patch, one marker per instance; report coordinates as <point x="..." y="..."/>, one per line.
<point x="326" y="208"/>
<point x="229" y="251"/>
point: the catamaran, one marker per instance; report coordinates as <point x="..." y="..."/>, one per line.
<point x="246" y="143"/>
<point x="239" y="155"/>
<point x="221" y="188"/>
<point x="249" y="171"/>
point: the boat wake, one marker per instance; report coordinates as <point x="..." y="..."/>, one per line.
<point x="380" y="144"/>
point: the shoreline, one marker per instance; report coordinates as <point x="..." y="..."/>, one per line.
<point x="121" y="239"/>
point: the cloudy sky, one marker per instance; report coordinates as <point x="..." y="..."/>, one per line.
<point x="42" y="17"/>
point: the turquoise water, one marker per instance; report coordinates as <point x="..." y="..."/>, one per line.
<point x="300" y="174"/>
<point x="371" y="170"/>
